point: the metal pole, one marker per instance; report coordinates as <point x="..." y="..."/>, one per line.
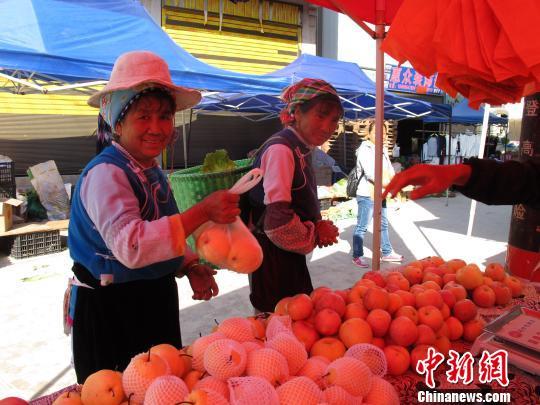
<point x="379" y="122"/>
<point x="485" y="124"/>
<point x="184" y="139"/>
<point x="449" y="151"/>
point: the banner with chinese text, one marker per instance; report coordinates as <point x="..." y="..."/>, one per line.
<point x="406" y="79"/>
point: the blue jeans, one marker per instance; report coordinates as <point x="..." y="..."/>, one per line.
<point x="365" y="214"/>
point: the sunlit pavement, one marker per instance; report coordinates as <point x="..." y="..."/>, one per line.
<point x="35" y="354"/>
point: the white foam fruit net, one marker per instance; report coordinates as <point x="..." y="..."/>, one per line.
<point x="299" y="391"/>
<point x="140" y="373"/>
<point x="206" y="396"/>
<point x="291" y="348"/>
<point x="252" y="345"/>
<point x="278" y="324"/>
<point x="268" y="364"/>
<point x="225" y="358"/>
<point x="338" y="396"/>
<point x="199" y="346"/>
<point x="167" y="389"/>
<point x="382" y="392"/>
<point x="350" y="374"/>
<point x="251" y="391"/>
<point x="314" y="369"/>
<point x="371" y="355"/>
<point x="214" y="384"/>
<point x="236" y="328"/>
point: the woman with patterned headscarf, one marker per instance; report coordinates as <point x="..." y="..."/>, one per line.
<point x="285" y="211"/>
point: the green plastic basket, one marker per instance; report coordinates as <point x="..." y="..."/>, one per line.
<point x="190" y="186"/>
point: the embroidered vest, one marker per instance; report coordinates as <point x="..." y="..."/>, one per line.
<point x="304" y="200"/>
<point x="87" y="246"/>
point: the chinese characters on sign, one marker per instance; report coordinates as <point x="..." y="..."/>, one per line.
<point x="527" y="148"/>
<point x="407" y="79"/>
<point x="531" y="107"/>
<point x="491" y="367"/>
<point x="519" y="212"/>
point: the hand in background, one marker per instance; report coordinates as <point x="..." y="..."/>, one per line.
<point x="430" y="179"/>
<point x="326" y="233"/>
<point x="202" y="282"/>
<point x="221" y="207"/>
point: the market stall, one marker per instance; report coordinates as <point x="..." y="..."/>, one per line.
<point x="370" y="342"/>
<point x="381" y="328"/>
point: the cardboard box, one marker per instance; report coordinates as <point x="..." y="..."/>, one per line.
<point x="7" y="205"/>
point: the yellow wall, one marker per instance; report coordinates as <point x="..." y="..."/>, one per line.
<point x="243" y="44"/>
<point x="52" y="103"/>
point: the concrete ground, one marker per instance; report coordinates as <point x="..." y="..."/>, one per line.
<point x="35" y="357"/>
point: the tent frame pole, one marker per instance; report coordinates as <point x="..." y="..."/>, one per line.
<point x="379" y="123"/>
<point x="184" y="140"/>
<point x="485" y="127"/>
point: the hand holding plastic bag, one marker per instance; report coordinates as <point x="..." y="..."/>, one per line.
<point x="231" y="246"/>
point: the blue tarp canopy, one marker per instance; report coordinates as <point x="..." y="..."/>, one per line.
<point x="356" y="90"/>
<point x="463" y="114"/>
<point x="56" y="45"/>
<point x="47" y="45"/>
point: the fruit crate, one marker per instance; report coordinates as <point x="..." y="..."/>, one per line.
<point x="35" y="244"/>
<point x="7" y="179"/>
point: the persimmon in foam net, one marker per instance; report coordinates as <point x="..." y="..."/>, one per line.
<point x="252" y="390"/>
<point x="371" y="355"/>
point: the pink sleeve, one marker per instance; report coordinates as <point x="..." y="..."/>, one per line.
<point x="108" y="198"/>
<point x="285" y="229"/>
<point x="277" y="164"/>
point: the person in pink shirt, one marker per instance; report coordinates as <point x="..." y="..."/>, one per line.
<point x="126" y="236"/>
<point x="285" y="212"/>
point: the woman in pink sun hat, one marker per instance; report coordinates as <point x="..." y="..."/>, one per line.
<point x="126" y="236"/>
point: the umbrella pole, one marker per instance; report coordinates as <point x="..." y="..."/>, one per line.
<point x="379" y="122"/>
<point x="184" y="139"/>
<point x="449" y="153"/>
<point x="485" y="124"/>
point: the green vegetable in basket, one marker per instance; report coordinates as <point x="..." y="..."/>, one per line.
<point x="217" y="161"/>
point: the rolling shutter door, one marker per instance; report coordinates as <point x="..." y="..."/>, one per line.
<point x="51" y="103"/>
<point x="254" y="37"/>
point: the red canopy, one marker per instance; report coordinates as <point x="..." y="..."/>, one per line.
<point x="487" y="50"/>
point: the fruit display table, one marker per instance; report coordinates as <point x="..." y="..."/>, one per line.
<point x="523" y="387"/>
<point x="395" y="336"/>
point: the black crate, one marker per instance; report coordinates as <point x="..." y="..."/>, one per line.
<point x="35" y="244"/>
<point x="7" y="179"/>
<point x="325" y="203"/>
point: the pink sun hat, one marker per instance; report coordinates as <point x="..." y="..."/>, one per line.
<point x="138" y="70"/>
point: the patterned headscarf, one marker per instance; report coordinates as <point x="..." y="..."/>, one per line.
<point x="301" y="92"/>
<point x="114" y="105"/>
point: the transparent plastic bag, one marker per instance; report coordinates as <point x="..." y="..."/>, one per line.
<point x="51" y="190"/>
<point x="231" y="246"/>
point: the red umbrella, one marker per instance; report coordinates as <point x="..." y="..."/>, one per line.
<point x="487" y="50"/>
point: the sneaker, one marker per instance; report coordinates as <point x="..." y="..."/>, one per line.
<point x="392" y="257"/>
<point x="360" y="262"/>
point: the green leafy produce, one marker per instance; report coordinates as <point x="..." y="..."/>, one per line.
<point x="34" y="210"/>
<point x="217" y="161"/>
